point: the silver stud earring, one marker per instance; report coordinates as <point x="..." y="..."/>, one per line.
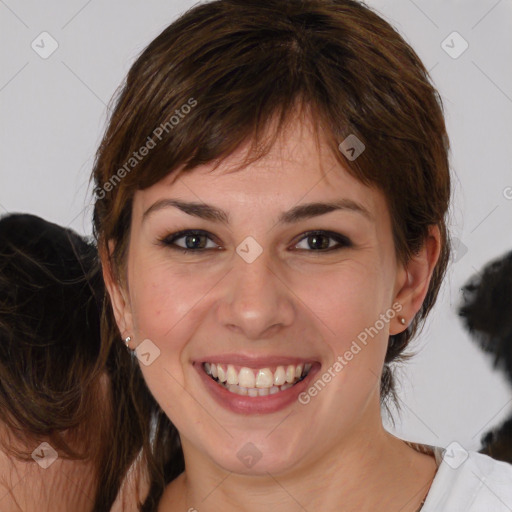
<point x="127" y="341"/>
<point x="402" y="320"/>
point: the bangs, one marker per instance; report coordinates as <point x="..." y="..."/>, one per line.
<point x="255" y="138"/>
<point x="231" y="109"/>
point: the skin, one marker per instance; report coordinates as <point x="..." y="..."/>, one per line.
<point x="293" y="299"/>
<point x="64" y="485"/>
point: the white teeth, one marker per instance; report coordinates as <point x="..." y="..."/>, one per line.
<point x="265" y="378"/>
<point x="255" y="392"/>
<point x="279" y="376"/>
<point x="222" y="373"/>
<point x="290" y="373"/>
<point x="232" y="377"/>
<point x="235" y="388"/>
<point x="246" y="378"/>
<point x="260" y="382"/>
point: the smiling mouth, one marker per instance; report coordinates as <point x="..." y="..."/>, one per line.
<point x="266" y="381"/>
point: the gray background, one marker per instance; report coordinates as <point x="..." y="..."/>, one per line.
<point x="53" y="112"/>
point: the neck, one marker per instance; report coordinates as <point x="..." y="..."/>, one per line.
<point x="370" y="470"/>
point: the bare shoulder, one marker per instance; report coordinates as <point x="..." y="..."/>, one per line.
<point x="46" y="483"/>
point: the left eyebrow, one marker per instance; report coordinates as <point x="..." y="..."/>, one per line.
<point x="296" y="214"/>
<point x="306" y="211"/>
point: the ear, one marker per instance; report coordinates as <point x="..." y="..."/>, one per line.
<point x="119" y="297"/>
<point x="413" y="280"/>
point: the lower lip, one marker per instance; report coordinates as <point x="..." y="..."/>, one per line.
<point x="255" y="405"/>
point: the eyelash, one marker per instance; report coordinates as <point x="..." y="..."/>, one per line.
<point x="168" y="240"/>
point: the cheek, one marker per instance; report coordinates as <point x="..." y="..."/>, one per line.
<point x="347" y="299"/>
<point x="163" y="295"/>
<point x="349" y="303"/>
<point x="164" y="308"/>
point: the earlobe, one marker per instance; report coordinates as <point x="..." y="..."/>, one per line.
<point x="413" y="287"/>
<point x="118" y="295"/>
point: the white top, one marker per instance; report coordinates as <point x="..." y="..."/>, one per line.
<point x="469" y="482"/>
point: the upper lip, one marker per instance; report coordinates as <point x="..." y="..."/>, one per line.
<point x="254" y="361"/>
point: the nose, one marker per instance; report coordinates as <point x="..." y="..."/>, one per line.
<point x="255" y="301"/>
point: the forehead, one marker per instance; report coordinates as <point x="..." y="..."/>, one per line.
<point x="299" y="168"/>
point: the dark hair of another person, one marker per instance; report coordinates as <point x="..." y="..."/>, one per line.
<point x="486" y="312"/>
<point x="243" y="64"/>
<point x="52" y="368"/>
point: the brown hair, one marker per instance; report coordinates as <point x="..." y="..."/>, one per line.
<point x="237" y="64"/>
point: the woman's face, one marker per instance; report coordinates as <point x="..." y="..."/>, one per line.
<point x="263" y="294"/>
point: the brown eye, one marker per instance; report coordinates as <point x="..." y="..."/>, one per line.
<point x="197" y="240"/>
<point x="193" y="241"/>
<point x="321" y="241"/>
